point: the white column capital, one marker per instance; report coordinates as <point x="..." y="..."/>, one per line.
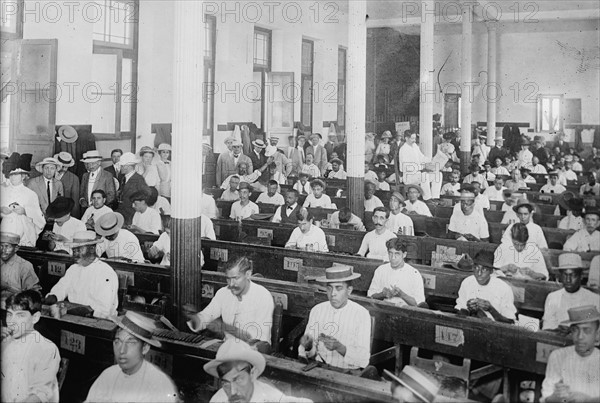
<point x="492" y="25"/>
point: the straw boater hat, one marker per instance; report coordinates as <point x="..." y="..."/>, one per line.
<point x="569" y="261"/>
<point x="386" y="135"/>
<point x="413" y="186"/>
<point x="60" y="207"/>
<point x="521" y="203"/>
<point x="67" y="134"/>
<point x="499" y="138"/>
<point x="84" y="238"/>
<point x="91" y="156"/>
<point x="423" y="386"/>
<point x="145" y="150"/>
<point x="258" y="143"/>
<point x="138" y="325"/>
<point x="128" y="159"/>
<point x="109" y="224"/>
<point x="236" y="350"/>
<point x="163" y="147"/>
<point x="9" y="237"/>
<point x="46" y="161"/>
<point x="582" y="314"/>
<point x="65" y="159"/>
<point x="400" y="198"/>
<point x="337" y="274"/>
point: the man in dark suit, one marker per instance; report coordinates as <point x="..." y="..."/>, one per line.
<point x="318" y="151"/>
<point x="69" y="180"/>
<point x="96" y="178"/>
<point x="131" y="183"/>
<point x="46" y="186"/>
<point x="258" y="158"/>
<point x="115" y="167"/>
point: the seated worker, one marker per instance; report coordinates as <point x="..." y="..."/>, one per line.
<point x="592" y="188"/>
<point x="397" y="282"/>
<point x="145" y="219"/>
<point x="370" y="176"/>
<point x="381" y="176"/>
<point x="161" y="248"/>
<point x="97" y="209"/>
<point x="307" y="236"/>
<point x="413" y="204"/>
<point x="482" y="203"/>
<point x="89" y="281"/>
<point x="553" y="186"/>
<point x="525" y="171"/>
<point x="238" y="366"/>
<point x="317" y="198"/>
<point x="516" y="181"/>
<point x="231" y="193"/>
<point x="586" y="239"/>
<point x="569" y="174"/>
<point x="337" y="172"/>
<point x="467" y="223"/>
<point x="487" y="173"/>
<point x="486" y="296"/>
<point x="302" y="185"/>
<point x="573" y="373"/>
<point x="572" y="295"/>
<point x="474" y="175"/>
<point x="208" y="205"/>
<point x="243" y="208"/>
<point x="286" y="214"/>
<point x="371" y="201"/>
<point x="496" y="192"/>
<point x="271" y="196"/>
<point x="117" y="242"/>
<point x="345" y="216"/>
<point x="510" y="201"/>
<point x="17" y="274"/>
<point x="133" y="378"/>
<point x="574" y="206"/>
<point x="252" y="178"/>
<point x="520" y="258"/>
<point x="524" y="210"/>
<point x="310" y="168"/>
<point x="245" y="308"/>
<point x="158" y="202"/>
<point x="338" y="332"/>
<point x="374" y="241"/>
<point x="398" y="222"/>
<point x="499" y="168"/>
<point x="452" y="188"/>
<point x="64" y="225"/>
<point x="29" y="360"/>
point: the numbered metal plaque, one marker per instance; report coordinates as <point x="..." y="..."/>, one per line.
<point x="428" y="281"/>
<point x="280" y="298"/>
<point x="292" y="264"/>
<point x="219" y="254"/>
<point x="72" y="342"/>
<point x="265" y="233"/>
<point x="57" y="268"/>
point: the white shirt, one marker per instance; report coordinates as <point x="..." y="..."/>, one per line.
<point x="477" y="177"/>
<point x="95" y="213"/>
<point x="350" y="325"/>
<point x="411" y="161"/>
<point x="263" y="393"/>
<point x="474" y="224"/>
<point x="148" y="384"/>
<point x="407" y="278"/>
<point x="569" y="175"/>
<point x="583" y="241"/>
<point x="312" y="170"/>
<point x="418" y="207"/>
<point x="68" y="229"/>
<point x="549" y="188"/>
<point x="27" y="199"/>
<point x="400" y="224"/>
<point x="209" y="206"/>
<point x="252" y="314"/>
<point x="313" y="240"/>
<point x="494" y="194"/>
<point x="450" y="189"/>
<point x="242" y="212"/>
<point x="148" y="221"/>
<point x="91" y="180"/>
<point x="29" y="366"/>
<point x="340" y="174"/>
<point x="303" y="189"/>
<point x="482" y="202"/>
<point x="375" y="245"/>
<point x="581" y="374"/>
<point x="162" y="204"/>
<point x="228" y="195"/>
<point x="334" y="222"/>
<point x="500" y="171"/>
<point x="372" y="203"/>
<point x="539" y="169"/>
<point x="383" y="186"/>
<point x="311" y="201"/>
<point x="276" y="199"/>
<point x="560" y="301"/>
<point x="95" y="285"/>
<point x="536" y="235"/>
<point x="163" y="244"/>
<point x="125" y="245"/>
<point x="531" y="258"/>
<point x="570" y="222"/>
<point x="497" y="292"/>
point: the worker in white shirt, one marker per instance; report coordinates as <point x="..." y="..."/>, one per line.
<point x="468" y="223"/>
<point x="496" y="192"/>
<point x="374" y="241"/>
<point x="520" y="258"/>
<point x="271" y="196"/>
<point x="553" y="186"/>
<point x="117" y="242"/>
<point x="525" y="210"/>
<point x="413" y="204"/>
<point x="586" y="239"/>
<point x="398" y="222"/>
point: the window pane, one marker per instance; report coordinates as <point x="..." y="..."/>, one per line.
<point x="341" y="64"/>
<point x="113" y="21"/>
<point x="127" y="90"/>
<point x="102" y="93"/>
<point x="546" y="117"/>
<point x="555" y="113"/>
<point x="262" y="46"/>
<point x="307" y="57"/>
<point x="9" y="15"/>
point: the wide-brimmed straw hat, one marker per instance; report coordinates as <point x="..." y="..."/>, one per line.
<point x="47" y="161"/>
<point x="581" y="314"/>
<point x="139" y="326"/>
<point x="400" y="198"/>
<point x="164" y="147"/>
<point x="413" y="186"/>
<point x="68" y="134"/>
<point x="109" y="223"/>
<point x="145" y="150"/>
<point x="569" y="261"/>
<point x="65" y="159"/>
<point x="521" y="203"/>
<point x="236" y="350"/>
<point x="9" y="237"/>
<point x="128" y="159"/>
<point x="337" y="274"/>
<point x="84" y="238"/>
<point x="92" y="156"/>
<point x="258" y="143"/>
<point x="423" y="386"/>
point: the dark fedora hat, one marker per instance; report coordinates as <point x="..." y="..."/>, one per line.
<point x="60" y="207"/>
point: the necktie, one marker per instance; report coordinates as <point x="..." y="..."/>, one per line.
<point x="48" y="192"/>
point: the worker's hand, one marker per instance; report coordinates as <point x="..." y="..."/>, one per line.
<point x="20" y="210"/>
<point x="5" y="210"/>
<point x="58" y="237"/>
<point x="561" y="389"/>
<point x="307" y="342"/>
<point x="483" y="304"/>
<point x="472" y="305"/>
<point x="330" y="343"/>
<point x="387" y="293"/>
<point x="510" y="268"/>
<point x="189" y="310"/>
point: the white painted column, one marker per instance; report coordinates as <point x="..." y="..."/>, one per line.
<point x="188" y="76"/>
<point x="466" y="79"/>
<point x="428" y="90"/>
<point x="356" y="103"/>
<point x="492" y="93"/>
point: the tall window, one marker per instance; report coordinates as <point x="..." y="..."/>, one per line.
<point x="210" y="34"/>
<point x="341" y="95"/>
<point x="114" y="69"/>
<point x="307" y="83"/>
<point x="549" y="113"/>
<point x="262" y="66"/>
<point x="11" y="19"/>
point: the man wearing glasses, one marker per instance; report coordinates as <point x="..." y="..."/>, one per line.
<point x="467" y="223"/>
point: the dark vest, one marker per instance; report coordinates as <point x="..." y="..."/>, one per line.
<point x="289" y="219"/>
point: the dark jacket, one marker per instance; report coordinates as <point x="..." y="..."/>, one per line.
<point x="134" y="184"/>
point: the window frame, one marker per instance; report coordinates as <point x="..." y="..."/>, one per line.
<point x="307" y="77"/>
<point x="264" y="70"/>
<point x="136" y="14"/>
<point x="342" y="83"/>
<point x="208" y="124"/>
<point x="18" y="34"/>
<point x="539" y="112"/>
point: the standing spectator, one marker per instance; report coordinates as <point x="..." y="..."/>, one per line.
<point x="147" y="168"/>
<point x="131" y="182"/>
<point x="96" y="179"/>
<point x="228" y="161"/>
<point x="69" y="180"/>
<point x="318" y="151"/>
<point x="46" y="186"/>
<point x="115" y="167"/>
<point x="164" y="169"/>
